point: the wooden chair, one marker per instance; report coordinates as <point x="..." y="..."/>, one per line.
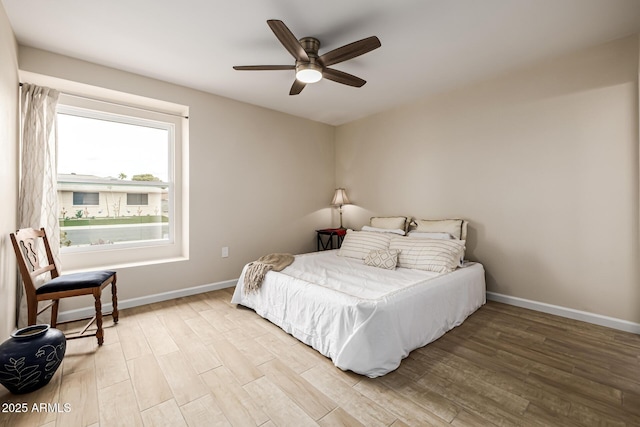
<point x="26" y="243"/>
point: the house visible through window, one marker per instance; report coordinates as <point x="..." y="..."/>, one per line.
<point x="115" y="178"/>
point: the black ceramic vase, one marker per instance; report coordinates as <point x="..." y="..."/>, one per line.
<point x="30" y="357"/>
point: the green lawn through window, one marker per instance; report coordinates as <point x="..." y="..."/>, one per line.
<point x="76" y="222"/>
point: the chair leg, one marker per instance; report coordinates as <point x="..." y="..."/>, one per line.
<point x="54" y="313"/>
<point x="99" y="334"/>
<point x="114" y="300"/>
<point x="32" y="311"/>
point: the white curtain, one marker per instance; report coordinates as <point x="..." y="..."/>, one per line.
<point x="38" y="199"/>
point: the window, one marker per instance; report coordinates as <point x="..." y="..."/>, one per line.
<point x="84" y="198"/>
<point x="120" y="183"/>
<point x="137" y="199"/>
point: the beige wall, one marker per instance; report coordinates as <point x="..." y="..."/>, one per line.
<point x="259" y="181"/>
<point x="8" y="172"/>
<point x="543" y="162"/>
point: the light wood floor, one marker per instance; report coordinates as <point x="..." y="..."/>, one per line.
<point x="199" y="361"/>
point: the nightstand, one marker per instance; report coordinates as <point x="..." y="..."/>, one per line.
<point x="326" y="237"/>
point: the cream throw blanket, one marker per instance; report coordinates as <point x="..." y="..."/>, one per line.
<point x="258" y="269"/>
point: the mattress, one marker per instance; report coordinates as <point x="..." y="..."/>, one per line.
<point x="365" y="319"/>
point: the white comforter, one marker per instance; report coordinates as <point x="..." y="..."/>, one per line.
<point x="365" y="319"/>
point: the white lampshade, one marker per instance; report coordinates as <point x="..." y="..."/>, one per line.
<point x="340" y="198"/>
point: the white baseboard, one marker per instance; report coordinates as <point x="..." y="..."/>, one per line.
<point x="585" y="316"/>
<point x="81" y="313"/>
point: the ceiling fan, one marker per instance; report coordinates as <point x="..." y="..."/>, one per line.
<point x="310" y="67"/>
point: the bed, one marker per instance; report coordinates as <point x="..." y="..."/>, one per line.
<point x="365" y="319"/>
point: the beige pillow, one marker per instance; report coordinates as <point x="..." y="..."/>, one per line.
<point x="398" y="231"/>
<point x="389" y="222"/>
<point x="451" y="226"/>
<point x="382" y="258"/>
<point x="358" y="244"/>
<point x="427" y="235"/>
<point x="438" y="255"/>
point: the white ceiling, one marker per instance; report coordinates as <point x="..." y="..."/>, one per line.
<point x="428" y="46"/>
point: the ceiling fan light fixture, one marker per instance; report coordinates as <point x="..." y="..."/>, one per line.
<point x="308" y="73"/>
<point x="311" y="68"/>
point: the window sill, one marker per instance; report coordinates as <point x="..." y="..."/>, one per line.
<point x="119" y="266"/>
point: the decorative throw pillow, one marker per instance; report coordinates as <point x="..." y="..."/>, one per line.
<point x="438" y="255"/>
<point x="389" y="222"/>
<point x="382" y="258"/>
<point x="357" y="244"/>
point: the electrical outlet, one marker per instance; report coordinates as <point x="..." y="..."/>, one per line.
<point x="225" y="251"/>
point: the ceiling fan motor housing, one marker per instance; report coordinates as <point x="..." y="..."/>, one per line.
<point x="311" y="45"/>
<point x="309" y="72"/>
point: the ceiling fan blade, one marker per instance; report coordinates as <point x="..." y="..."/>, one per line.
<point x="297" y="87"/>
<point x="342" y="77"/>
<point x="288" y="40"/>
<point x="263" y="67"/>
<point x="350" y="51"/>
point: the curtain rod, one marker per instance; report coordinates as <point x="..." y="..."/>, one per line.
<point x="120" y="105"/>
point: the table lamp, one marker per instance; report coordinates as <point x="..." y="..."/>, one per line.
<point x="340" y="198"/>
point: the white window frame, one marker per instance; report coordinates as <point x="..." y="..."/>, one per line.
<point x="138" y="253"/>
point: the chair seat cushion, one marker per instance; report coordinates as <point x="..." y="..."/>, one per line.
<point x="69" y="282"/>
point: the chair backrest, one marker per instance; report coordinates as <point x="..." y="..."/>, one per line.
<point x="26" y="244"/>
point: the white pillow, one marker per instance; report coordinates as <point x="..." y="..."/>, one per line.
<point x="451" y="226"/>
<point x="358" y="244"/>
<point x="383" y="230"/>
<point x="389" y="222"/>
<point x="445" y="236"/>
<point x="438" y="255"/>
<point x="382" y="258"/>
